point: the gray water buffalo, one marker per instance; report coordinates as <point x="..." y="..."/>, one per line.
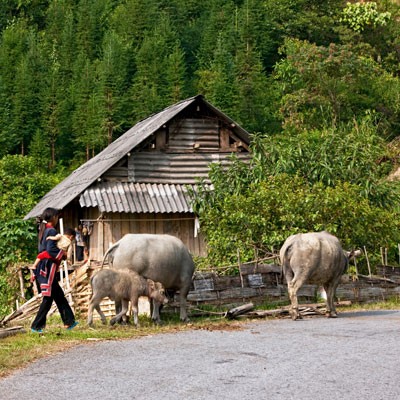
<point x="162" y="258"/>
<point x="122" y="286"/>
<point x="317" y="258"/>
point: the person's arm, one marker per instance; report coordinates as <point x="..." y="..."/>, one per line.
<point x="55" y="237"/>
<point x="51" y="246"/>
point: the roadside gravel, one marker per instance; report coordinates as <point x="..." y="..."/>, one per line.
<point x="355" y="356"/>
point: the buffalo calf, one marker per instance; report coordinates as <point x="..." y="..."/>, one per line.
<point x="122" y="286"/>
<point x="162" y="258"/>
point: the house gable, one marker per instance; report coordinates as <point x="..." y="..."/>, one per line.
<point x="156" y="141"/>
<point x="181" y="151"/>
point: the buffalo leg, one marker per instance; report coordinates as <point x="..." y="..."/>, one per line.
<point x="292" y="292"/>
<point x="134" y="303"/>
<point x="95" y="303"/>
<point x="293" y="287"/>
<point x="118" y="308"/>
<point x="183" y="304"/>
<point x="330" y="305"/>
<point x="155" y="315"/>
<point x="102" y="316"/>
<point x="121" y="314"/>
<point x="294" y="308"/>
<point x="90" y="314"/>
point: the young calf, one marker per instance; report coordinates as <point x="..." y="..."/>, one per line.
<point x="122" y="286"/>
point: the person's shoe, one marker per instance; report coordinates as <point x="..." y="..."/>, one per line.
<point x="36" y="330"/>
<point x="72" y="326"/>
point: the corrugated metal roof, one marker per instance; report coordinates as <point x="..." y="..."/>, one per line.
<point x="132" y="197"/>
<point x="76" y="183"/>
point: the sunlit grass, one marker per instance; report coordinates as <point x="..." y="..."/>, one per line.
<point x="392" y="303"/>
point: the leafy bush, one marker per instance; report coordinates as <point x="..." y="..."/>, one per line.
<point x="23" y="184"/>
<point x="329" y="179"/>
<point x="334" y="84"/>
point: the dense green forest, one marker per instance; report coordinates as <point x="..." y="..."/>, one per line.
<point x="317" y="83"/>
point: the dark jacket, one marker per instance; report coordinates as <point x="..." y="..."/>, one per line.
<point x="48" y="267"/>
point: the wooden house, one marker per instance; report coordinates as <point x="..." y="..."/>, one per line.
<point x="139" y="183"/>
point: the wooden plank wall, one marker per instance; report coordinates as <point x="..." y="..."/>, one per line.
<point x="217" y="290"/>
<point x="114" y="226"/>
<point x="262" y="284"/>
<point x="185" y="133"/>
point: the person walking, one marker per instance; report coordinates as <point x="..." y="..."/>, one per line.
<point x="46" y="274"/>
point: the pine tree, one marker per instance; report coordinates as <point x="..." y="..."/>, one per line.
<point x="216" y="79"/>
<point x="26" y="105"/>
<point x="13" y="48"/>
<point x="87" y="117"/>
<point x="40" y="151"/>
<point x="219" y="25"/>
<point x="251" y="90"/>
<point x="61" y="38"/>
<point x="131" y="19"/>
<point x="92" y="23"/>
<point x="113" y="78"/>
<point x="150" y="90"/>
<point x="250" y="87"/>
<point x="175" y="75"/>
<point x="51" y="103"/>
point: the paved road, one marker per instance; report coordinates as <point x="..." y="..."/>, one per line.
<point x="356" y="356"/>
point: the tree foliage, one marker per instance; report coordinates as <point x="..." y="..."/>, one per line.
<point x="316" y="83"/>
<point x="332" y="179"/>
<point x="334" y="84"/>
<point x="361" y="15"/>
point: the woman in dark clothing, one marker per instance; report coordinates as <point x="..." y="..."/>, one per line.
<point x="46" y="274"/>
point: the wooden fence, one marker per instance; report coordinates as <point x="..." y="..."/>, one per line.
<point x="256" y="282"/>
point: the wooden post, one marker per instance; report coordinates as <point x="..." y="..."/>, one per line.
<point x="240" y="270"/>
<point x="355" y="265"/>
<point x="369" y="266"/>
<point x="61" y="222"/>
<point x="61" y="276"/>
<point x="64" y="266"/>
<point x="21" y="282"/>
<point x="398" y="245"/>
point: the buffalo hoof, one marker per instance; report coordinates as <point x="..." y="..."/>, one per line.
<point x="295" y="315"/>
<point x="331" y="315"/>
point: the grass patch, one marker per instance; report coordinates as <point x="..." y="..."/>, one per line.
<point x="392" y="303"/>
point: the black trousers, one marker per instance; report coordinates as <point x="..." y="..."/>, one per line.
<point x="80" y="253"/>
<point x="57" y="294"/>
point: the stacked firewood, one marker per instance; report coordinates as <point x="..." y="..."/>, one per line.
<point x="78" y="294"/>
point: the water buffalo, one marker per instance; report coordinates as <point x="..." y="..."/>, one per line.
<point x="122" y="286"/>
<point x="162" y="258"/>
<point x="315" y="257"/>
